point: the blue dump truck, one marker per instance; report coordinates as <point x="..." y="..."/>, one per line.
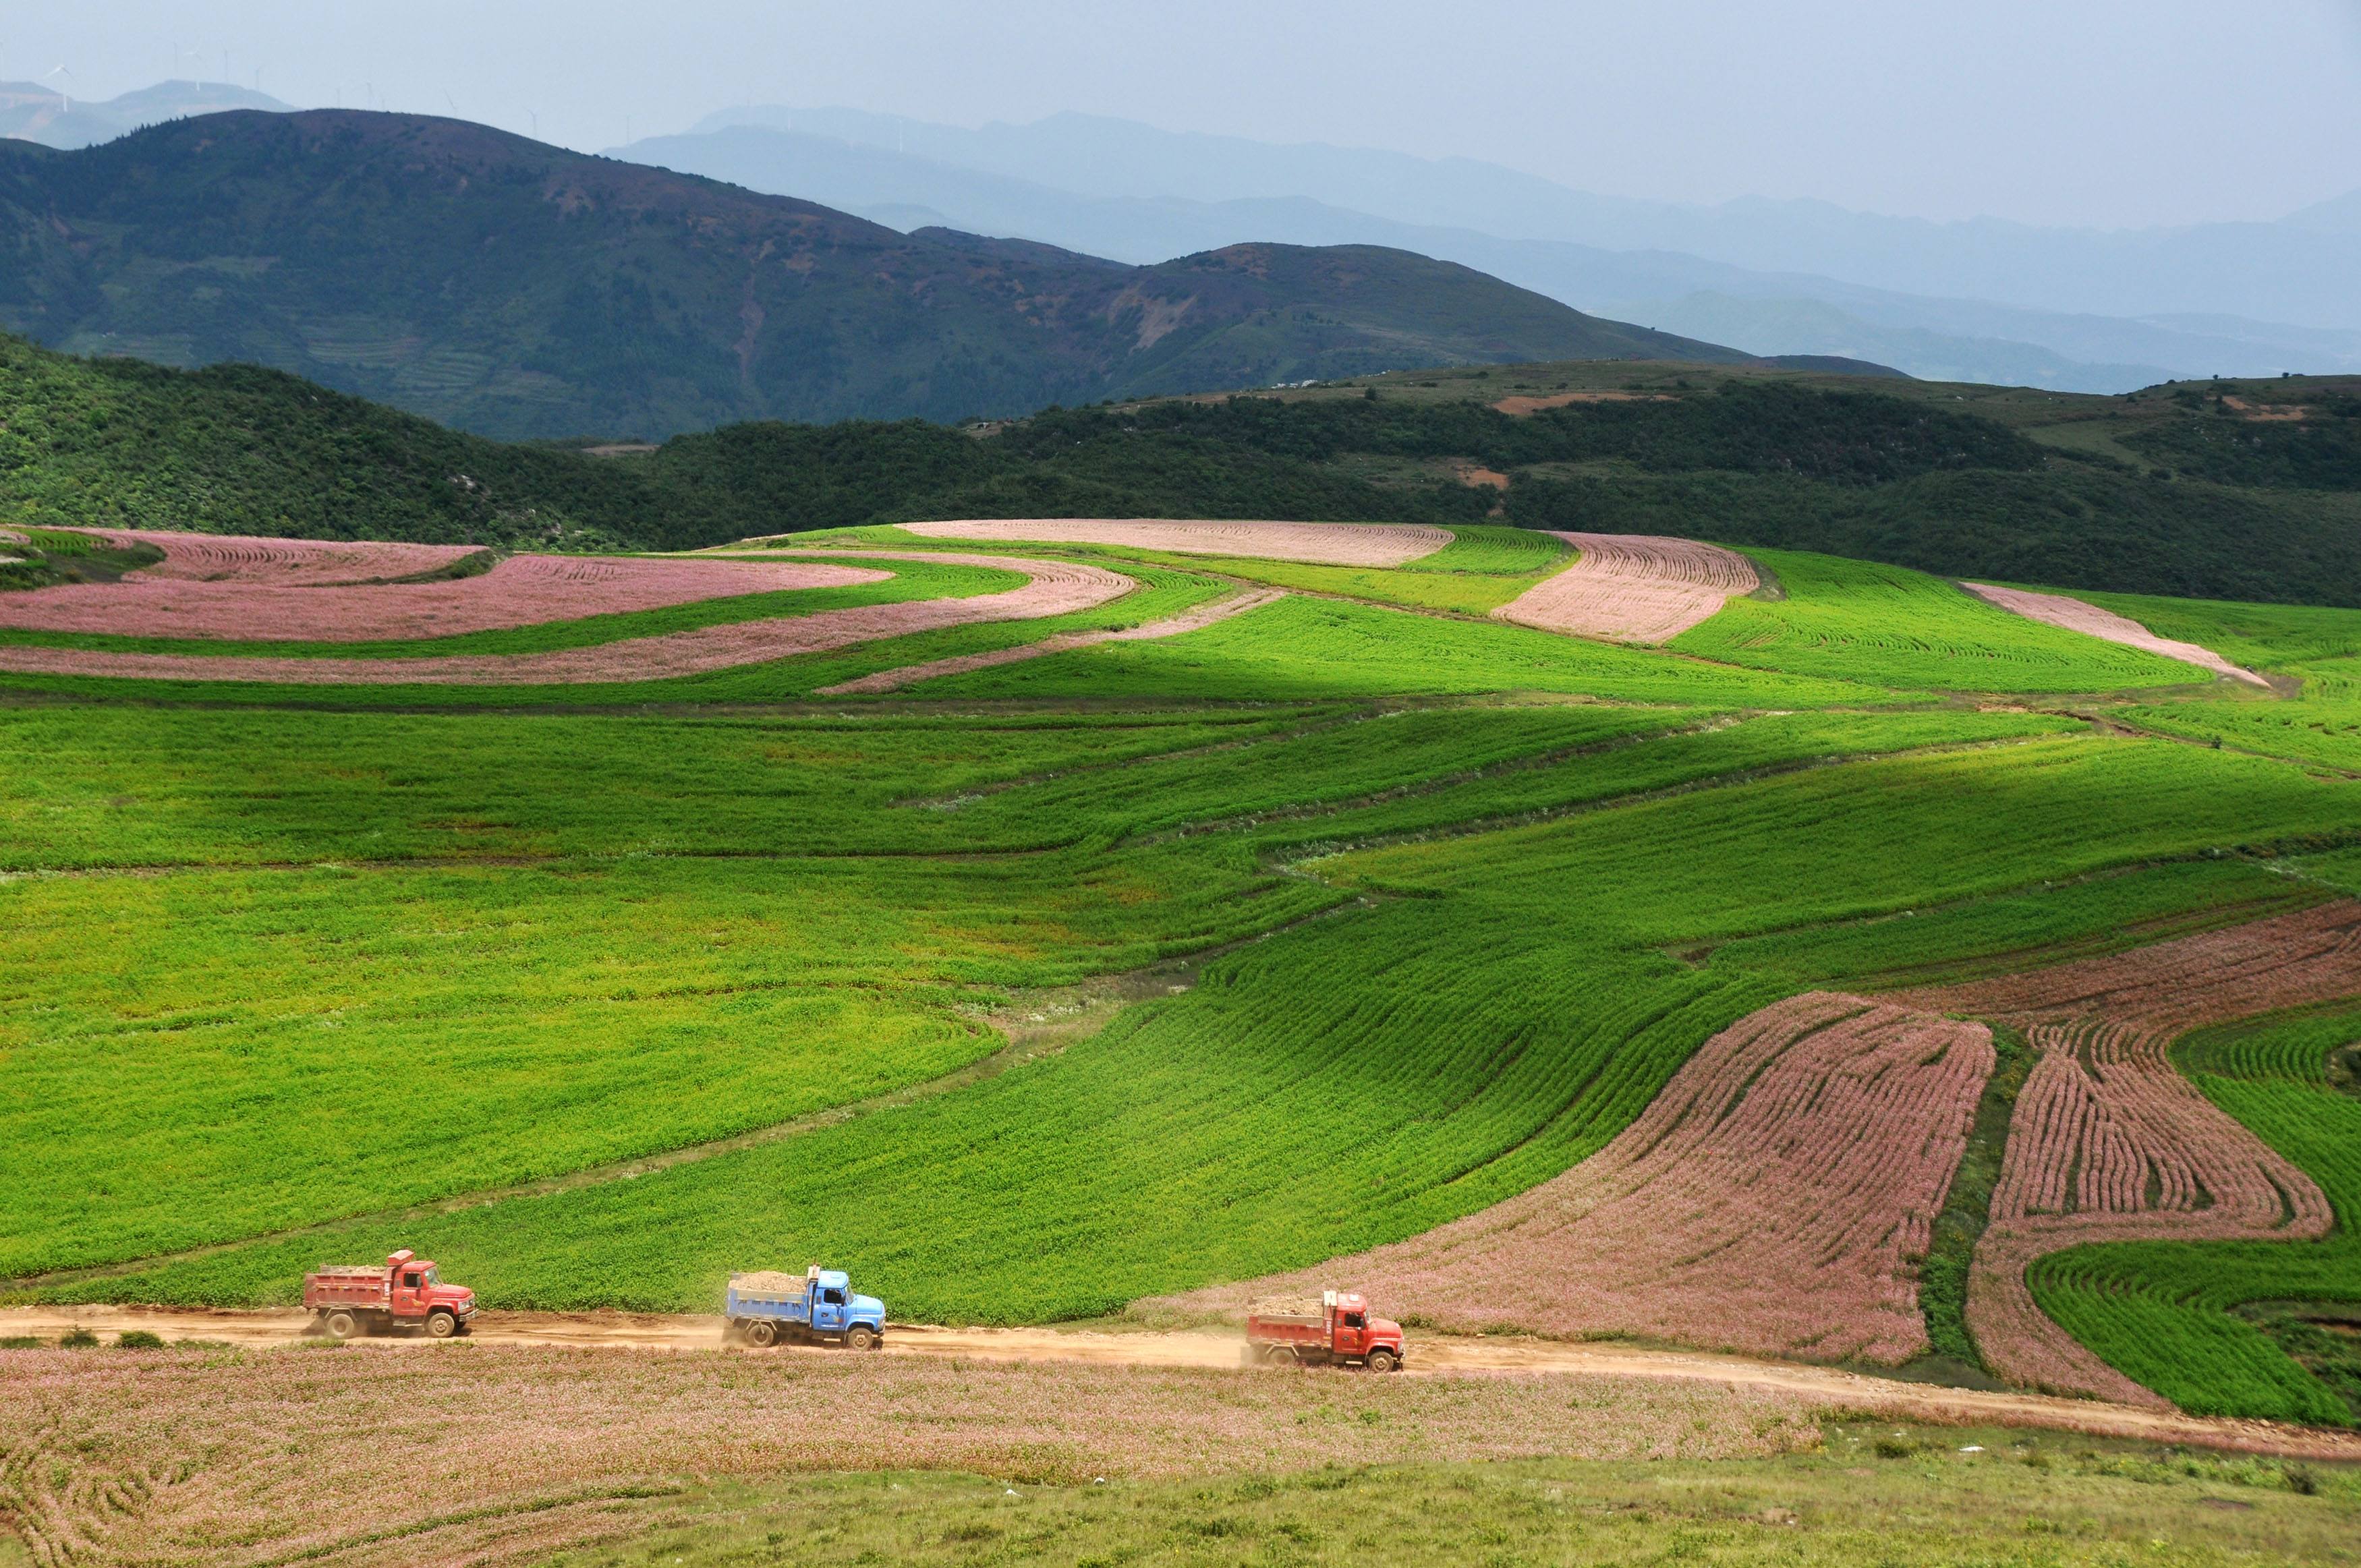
<point x="817" y="1308"/>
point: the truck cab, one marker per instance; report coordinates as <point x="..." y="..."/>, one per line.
<point x="1338" y="1330"/>
<point x="821" y="1308"/>
<point x="408" y="1292"/>
<point x="1355" y="1331"/>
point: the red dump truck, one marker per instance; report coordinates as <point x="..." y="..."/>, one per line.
<point x="404" y="1293"/>
<point x="1334" y="1331"/>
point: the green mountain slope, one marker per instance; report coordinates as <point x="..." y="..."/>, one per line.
<point x="2021" y="487"/>
<point x="504" y="286"/>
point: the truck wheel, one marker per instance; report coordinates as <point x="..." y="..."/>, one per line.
<point x="341" y="1326"/>
<point x="861" y="1336"/>
<point x="762" y="1333"/>
<point x="440" y="1325"/>
<point x="1283" y="1355"/>
<point x="1382" y="1361"/>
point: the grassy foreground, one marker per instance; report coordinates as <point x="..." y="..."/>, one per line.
<point x="222" y="1457"/>
<point x="1873" y="1495"/>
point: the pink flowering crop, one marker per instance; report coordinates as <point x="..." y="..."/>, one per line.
<point x="2110" y="1143"/>
<point x="239" y="590"/>
<point x="1052" y="588"/>
<point x="1774" y="1197"/>
<point x="1633" y="587"/>
<point x="309" y="563"/>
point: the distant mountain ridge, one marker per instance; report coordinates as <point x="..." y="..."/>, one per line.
<point x="1769" y="314"/>
<point x="52" y="116"/>
<point x="520" y="290"/>
<point x="2294" y="270"/>
<point x="1740" y="274"/>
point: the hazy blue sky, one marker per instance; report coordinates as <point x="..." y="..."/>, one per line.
<point x="2107" y="112"/>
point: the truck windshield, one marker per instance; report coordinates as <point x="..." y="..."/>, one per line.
<point x="434" y="1277"/>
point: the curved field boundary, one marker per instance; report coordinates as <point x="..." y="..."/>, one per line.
<point x="256" y="606"/>
<point x="1321" y="544"/>
<point x="282" y="563"/>
<point x="1773" y="1199"/>
<point x="1055" y="588"/>
<point x="1194" y="619"/>
<point x="1633" y="587"/>
<point x="2110" y="1143"/>
<point x="2078" y="615"/>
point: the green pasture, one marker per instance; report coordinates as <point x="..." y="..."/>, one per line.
<point x="1861" y="621"/>
<point x="649" y="896"/>
<point x="1483" y="567"/>
<point x="1838" y="625"/>
<point x="1304" y="648"/>
<point x="280" y="965"/>
<point x="83" y="786"/>
<point x="1882" y="836"/>
<point x="1419" y="1050"/>
<point x="2315" y="650"/>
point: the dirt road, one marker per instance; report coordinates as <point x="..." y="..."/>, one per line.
<point x="1429" y="1355"/>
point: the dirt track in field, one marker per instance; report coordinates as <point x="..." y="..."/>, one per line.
<point x="1430" y="1355"/>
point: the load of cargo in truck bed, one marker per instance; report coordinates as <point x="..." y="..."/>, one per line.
<point x="765" y="1306"/>
<point x="1335" y="1329"/>
<point x="404" y="1293"/>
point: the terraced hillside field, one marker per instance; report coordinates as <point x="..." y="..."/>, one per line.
<point x="1051" y="921"/>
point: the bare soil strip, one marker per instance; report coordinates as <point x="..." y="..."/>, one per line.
<point x="253" y="606"/>
<point x="1633" y="587"/>
<point x="2077" y="615"/>
<point x="1433" y="1356"/>
<point x="1322" y="543"/>
<point x="1055" y="588"/>
<point x="1195" y="619"/>
<point x="2110" y="1143"/>
<point x="491" y="1453"/>
<point x="1775" y="1198"/>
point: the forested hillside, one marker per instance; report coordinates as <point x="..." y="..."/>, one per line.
<point x="2149" y="494"/>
